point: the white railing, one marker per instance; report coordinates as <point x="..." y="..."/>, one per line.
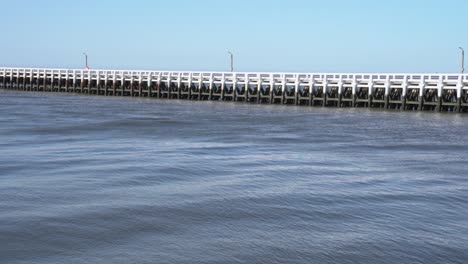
<point x="371" y="80"/>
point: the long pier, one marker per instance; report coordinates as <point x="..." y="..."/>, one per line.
<point x="425" y="92"/>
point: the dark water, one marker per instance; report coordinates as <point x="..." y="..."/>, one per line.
<point x="118" y="180"/>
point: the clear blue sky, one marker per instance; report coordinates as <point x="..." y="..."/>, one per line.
<point x="265" y="35"/>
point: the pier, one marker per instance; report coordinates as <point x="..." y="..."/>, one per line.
<point x="422" y="92"/>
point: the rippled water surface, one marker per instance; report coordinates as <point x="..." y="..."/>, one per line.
<point x="88" y="179"/>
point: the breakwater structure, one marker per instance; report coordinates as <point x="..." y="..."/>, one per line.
<point x="425" y="92"/>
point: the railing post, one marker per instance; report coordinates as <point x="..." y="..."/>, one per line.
<point x="370" y="91"/>
<point x="223" y="84"/>
<point x="106" y="83"/>
<point x="283" y="89"/>
<point x="149" y="84"/>
<point x="234" y="87"/>
<point x="247" y="88"/>
<point x="210" y="87"/>
<point x="296" y="90"/>
<point x="311" y="89"/>
<point x="325" y="88"/>
<point x="200" y="84"/>
<point x="422" y="86"/>
<point x="340" y="90"/>
<point x="169" y="85"/>
<point x="387" y="91"/>
<point x="114" y="81"/>
<point x="272" y="87"/>
<point x="403" y="93"/>
<point x="179" y="83"/>
<point x="190" y="86"/>
<point x="90" y="81"/>
<point x="259" y="87"/>
<point x="440" y="88"/>
<point x="122" y="82"/>
<point x="82" y="81"/>
<point x="354" y="88"/>
<point x="158" y="84"/>
<point x="459" y="92"/>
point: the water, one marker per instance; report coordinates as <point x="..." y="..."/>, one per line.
<point x="88" y="179"/>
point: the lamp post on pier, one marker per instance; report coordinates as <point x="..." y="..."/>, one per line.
<point x="86" y="61"/>
<point x="463" y="59"/>
<point x="232" y="61"/>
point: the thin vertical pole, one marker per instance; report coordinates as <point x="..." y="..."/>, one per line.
<point x="232" y="61"/>
<point x="463" y="60"/>
<point x="86" y="61"/>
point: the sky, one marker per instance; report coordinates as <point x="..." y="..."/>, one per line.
<point x="265" y="35"/>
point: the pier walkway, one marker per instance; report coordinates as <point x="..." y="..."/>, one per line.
<point x="428" y="92"/>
